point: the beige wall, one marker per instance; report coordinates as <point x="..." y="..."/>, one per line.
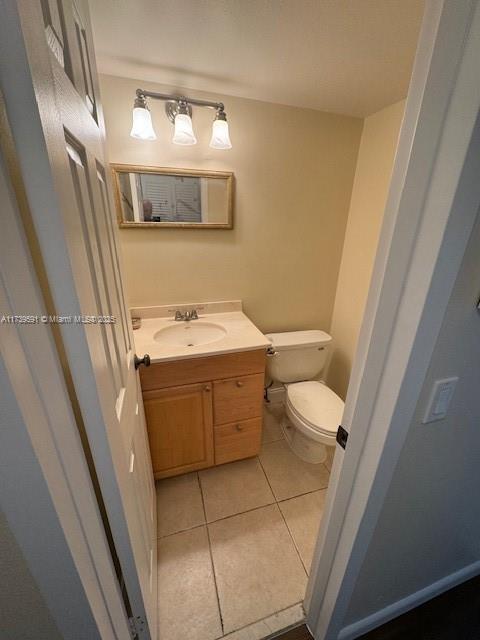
<point x="370" y="188"/>
<point x="294" y="170"/>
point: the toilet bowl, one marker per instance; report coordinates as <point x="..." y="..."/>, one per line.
<point x="313" y="410"/>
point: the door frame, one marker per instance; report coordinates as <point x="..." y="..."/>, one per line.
<point x="431" y="208"/>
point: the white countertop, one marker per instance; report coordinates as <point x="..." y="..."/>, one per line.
<point x="241" y="335"/>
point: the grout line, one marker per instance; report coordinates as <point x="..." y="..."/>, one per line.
<point x="199" y="482"/>
<point x="211" y="557"/>
<point x="305" y="493"/>
<point x="293" y="540"/>
<point x="286" y="525"/>
<point x="174" y="533"/>
<point x="241" y="513"/>
<point x="268" y="481"/>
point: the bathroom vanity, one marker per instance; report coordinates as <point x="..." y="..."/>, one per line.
<point x="203" y="392"/>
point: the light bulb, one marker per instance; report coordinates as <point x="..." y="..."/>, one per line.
<point x="183" y="130"/>
<point x="142" y="127"/>
<point x="220" y="136"/>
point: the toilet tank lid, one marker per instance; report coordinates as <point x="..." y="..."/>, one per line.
<point x="298" y="339"/>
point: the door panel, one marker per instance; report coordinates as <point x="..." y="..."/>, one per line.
<point x="54" y="29"/>
<point x="85" y="280"/>
<point x="90" y="217"/>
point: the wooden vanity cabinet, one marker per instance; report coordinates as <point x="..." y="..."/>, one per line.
<point x="203" y="411"/>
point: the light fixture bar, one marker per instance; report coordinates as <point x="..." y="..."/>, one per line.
<point x="143" y="93"/>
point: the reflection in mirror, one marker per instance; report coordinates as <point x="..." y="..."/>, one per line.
<point x="147" y="196"/>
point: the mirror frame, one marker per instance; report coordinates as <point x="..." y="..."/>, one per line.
<point x="195" y="173"/>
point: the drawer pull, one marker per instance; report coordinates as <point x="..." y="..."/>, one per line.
<point x="239" y="383"/>
<point x="239" y="427"/>
<point x="206" y="387"/>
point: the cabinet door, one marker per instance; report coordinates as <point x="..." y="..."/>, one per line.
<point x="180" y="428"/>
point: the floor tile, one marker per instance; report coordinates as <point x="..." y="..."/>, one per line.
<point x="303" y="515"/>
<point x="179" y="504"/>
<point x="187" y="601"/>
<point x="287" y="474"/>
<point x="280" y="621"/>
<point x="257" y="567"/>
<point x="329" y="461"/>
<point x="272" y="416"/>
<point x="233" y="488"/>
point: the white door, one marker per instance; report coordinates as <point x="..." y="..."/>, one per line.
<point x="56" y="118"/>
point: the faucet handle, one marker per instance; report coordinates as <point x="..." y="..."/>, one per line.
<point x="179" y="315"/>
<point x="193" y="314"/>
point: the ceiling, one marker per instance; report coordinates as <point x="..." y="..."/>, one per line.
<point x="346" y="56"/>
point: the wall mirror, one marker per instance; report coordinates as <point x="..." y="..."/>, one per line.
<point x="160" y="197"/>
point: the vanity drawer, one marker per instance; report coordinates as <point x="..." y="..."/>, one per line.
<point x="237" y="398"/>
<point x="237" y="440"/>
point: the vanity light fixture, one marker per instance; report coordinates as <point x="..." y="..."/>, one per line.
<point x="220" y="136"/>
<point x="179" y="111"/>
<point x="183" y="126"/>
<point x="142" y="127"/>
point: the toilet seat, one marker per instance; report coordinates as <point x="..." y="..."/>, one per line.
<point x="315" y="408"/>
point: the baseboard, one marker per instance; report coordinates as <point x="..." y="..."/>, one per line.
<point x="396" y="609"/>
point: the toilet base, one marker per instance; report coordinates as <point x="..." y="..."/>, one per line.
<point x="305" y="448"/>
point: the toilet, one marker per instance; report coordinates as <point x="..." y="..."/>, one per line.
<point x="296" y="359"/>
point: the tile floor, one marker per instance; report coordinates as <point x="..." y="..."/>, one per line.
<point x="235" y="542"/>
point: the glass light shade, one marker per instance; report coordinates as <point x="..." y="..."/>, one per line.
<point x="142" y="124"/>
<point x="183" y="130"/>
<point x="220" y="136"/>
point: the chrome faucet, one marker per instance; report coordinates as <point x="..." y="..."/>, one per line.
<point x="186" y="315"/>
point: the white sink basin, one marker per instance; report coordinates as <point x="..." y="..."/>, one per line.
<point x="190" y="334"/>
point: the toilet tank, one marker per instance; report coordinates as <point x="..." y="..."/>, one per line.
<point x="297" y="355"/>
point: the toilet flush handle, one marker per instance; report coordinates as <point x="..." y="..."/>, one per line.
<point x="271" y="352"/>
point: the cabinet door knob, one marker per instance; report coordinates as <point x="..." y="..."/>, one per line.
<point x="239" y="427"/>
<point x="239" y="383"/>
<point x="206" y="387"/>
